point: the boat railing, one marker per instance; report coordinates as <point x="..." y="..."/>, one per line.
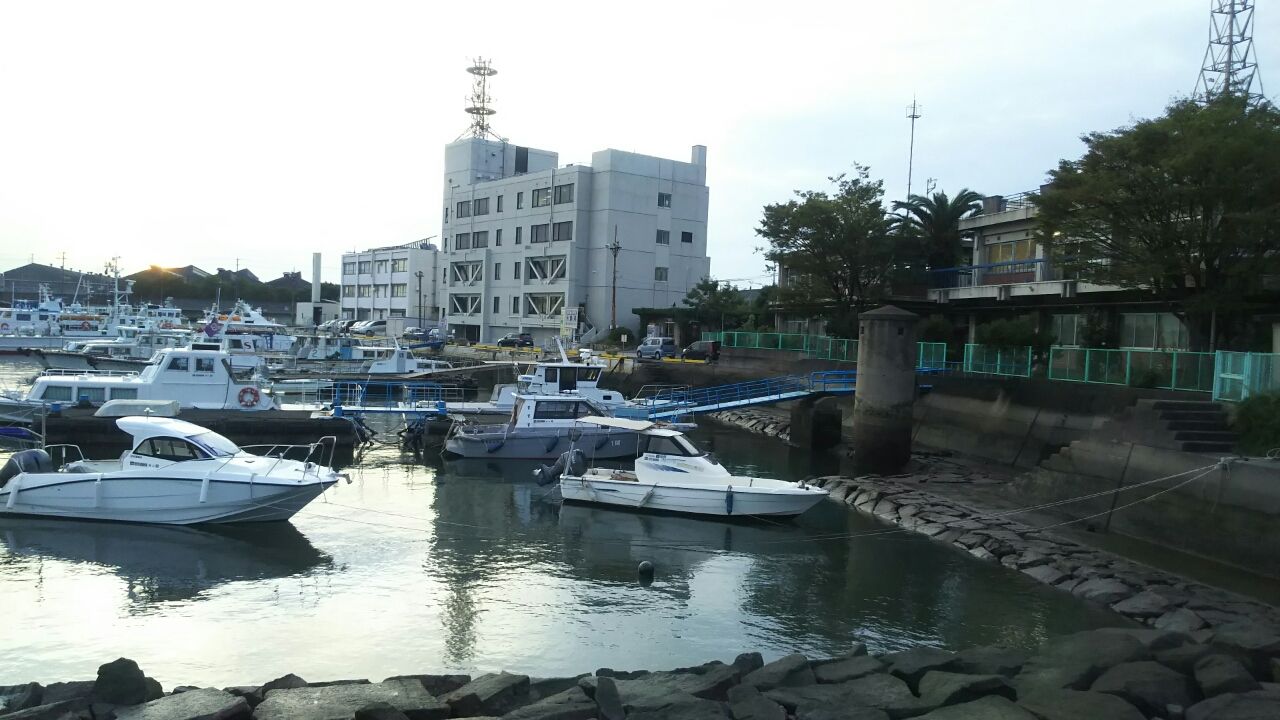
<point x="317" y="454"/>
<point x="63" y="372"/>
<point x="60" y="453"/>
<point x="655" y="391"/>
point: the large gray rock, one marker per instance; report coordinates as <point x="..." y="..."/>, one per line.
<point x="340" y="702"/>
<point x="380" y="711"/>
<point x="285" y="682"/>
<point x="853" y="713"/>
<point x="789" y="671"/>
<point x="1218" y="674"/>
<point x="1153" y="640"/>
<point x="911" y="665"/>
<point x="1180" y="620"/>
<point x="1147" y="685"/>
<point x="847" y="669"/>
<point x="203" y="704"/>
<point x="1256" y="705"/>
<point x="63" y="691"/>
<point x="1146" y="604"/>
<point x="492" y="694"/>
<point x="21" y="697"/>
<point x="120" y="682"/>
<point x="437" y="684"/>
<point x="881" y="691"/>
<point x="73" y="709"/>
<point x="654" y="691"/>
<point x="1073" y="662"/>
<point x="1047" y="574"/>
<point x="1253" y="642"/>
<point x="1184" y="657"/>
<point x="746" y="703"/>
<point x="945" y="688"/>
<point x="572" y="704"/>
<point x="991" y="660"/>
<point x="1077" y="705"/>
<point x="608" y="700"/>
<point x="994" y="707"/>
<point x="693" y="709"/>
<point x="748" y="662"/>
<point x="1104" y="591"/>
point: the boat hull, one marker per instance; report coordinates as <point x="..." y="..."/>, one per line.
<point x="720" y="501"/>
<point x="120" y="497"/>
<point x="534" y="445"/>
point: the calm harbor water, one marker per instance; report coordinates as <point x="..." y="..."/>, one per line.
<point x="456" y="565"/>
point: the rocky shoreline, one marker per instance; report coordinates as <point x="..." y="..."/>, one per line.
<point x="756" y="421"/>
<point x="1117" y="673"/>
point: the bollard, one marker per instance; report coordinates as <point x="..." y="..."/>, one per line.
<point x="645" y="573"/>
<point x="886" y="389"/>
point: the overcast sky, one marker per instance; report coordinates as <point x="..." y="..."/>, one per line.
<point x="258" y="132"/>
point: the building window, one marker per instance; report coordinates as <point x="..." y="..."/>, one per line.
<point x="348" y="291"/>
<point x="348" y="268"/>
<point x="562" y="231"/>
<point x="564" y="193"/>
<point x="686" y="237"/>
<point x="519" y="201"/>
<point x="481" y="206"/>
<point x="1011" y="251"/>
<point x="541" y="197"/>
<point x="444" y="244"/>
<point x="497" y="236"/>
<point x="397" y="313"/>
<point x="379" y="291"/>
<point x="365" y="266"/>
<point x="497" y="304"/>
<point x="462" y="241"/>
<point x="664" y="200"/>
<point x="660" y="274"/>
<point x="515" y="300"/>
<point x="480" y="239"/>
<point x="664" y="237"/>
<point x="518" y="233"/>
<point x="364" y="291"/>
<point x="538" y="233"/>
<point x="497" y="272"/>
<point x="515" y="270"/>
<point x="445" y="274"/>
<point x="464" y="209"/>
<point x="400" y="265"/>
<point x="380" y="266"/>
<point x="399" y="289"/>
<point x="1152" y="331"/>
<point x="499" y="203"/>
<point x="1066" y="329"/>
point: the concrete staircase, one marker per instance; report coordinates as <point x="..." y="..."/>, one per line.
<point x="1197" y="425"/>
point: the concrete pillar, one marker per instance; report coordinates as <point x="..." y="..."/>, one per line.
<point x="886" y="389"/>
<point x="816" y="423"/>
<point x="1275" y="337"/>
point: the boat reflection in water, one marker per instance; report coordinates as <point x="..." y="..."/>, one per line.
<point x="163" y="563"/>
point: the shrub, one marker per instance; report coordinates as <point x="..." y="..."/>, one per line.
<point x="1015" y="333"/>
<point x="936" y="328"/>
<point x="615" y="335"/>
<point x="1258" y="423"/>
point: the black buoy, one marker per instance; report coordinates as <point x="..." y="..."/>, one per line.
<point x="645" y="573"/>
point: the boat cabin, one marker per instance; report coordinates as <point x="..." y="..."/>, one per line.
<point x="551" y="410"/>
<point x="553" y="378"/>
<point x="158" y="442"/>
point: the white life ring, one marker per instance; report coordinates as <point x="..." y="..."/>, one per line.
<point x="84" y="325"/>
<point x="4" y="327"/>
<point x="248" y="397"/>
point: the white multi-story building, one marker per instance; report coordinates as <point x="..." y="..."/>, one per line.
<point x="527" y="245"/>
<point x="389" y="282"/>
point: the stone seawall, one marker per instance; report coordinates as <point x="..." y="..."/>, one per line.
<point x="1108" y="674"/>
<point x="1143" y="594"/>
<point x="756" y="421"/>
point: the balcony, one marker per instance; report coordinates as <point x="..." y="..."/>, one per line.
<point x="1005" y="280"/>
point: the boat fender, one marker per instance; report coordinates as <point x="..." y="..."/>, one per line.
<point x="728" y="501"/>
<point x="493" y="447"/>
<point x="644" y="572"/>
<point x="552" y="445"/>
<point x="604" y="440"/>
<point x="577" y="463"/>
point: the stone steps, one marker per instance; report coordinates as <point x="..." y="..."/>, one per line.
<point x="1197" y="425"/>
<point x="1207" y="435"/>
<point x="1186" y="405"/>
<point x="1200" y="446"/>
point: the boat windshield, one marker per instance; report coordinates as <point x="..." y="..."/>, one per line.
<point x="216" y="445"/>
<point x="674" y="445"/>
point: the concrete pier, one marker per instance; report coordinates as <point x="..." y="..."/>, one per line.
<point x="882" y="409"/>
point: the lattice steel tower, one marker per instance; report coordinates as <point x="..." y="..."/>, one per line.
<point x="1230" y="66"/>
<point x="478" y="102"/>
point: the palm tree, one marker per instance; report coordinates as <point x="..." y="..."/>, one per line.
<point x="934" y="222"/>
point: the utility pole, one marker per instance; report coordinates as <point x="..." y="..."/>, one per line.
<point x="913" y="113"/>
<point x="613" y="304"/>
<point x="419" y="276"/>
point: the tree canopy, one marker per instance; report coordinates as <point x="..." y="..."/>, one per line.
<point x="836" y="248"/>
<point x="1186" y="205"/>
<point x="933" y="223"/>
<point x="715" y="303"/>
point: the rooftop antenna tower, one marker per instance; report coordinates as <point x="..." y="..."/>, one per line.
<point x="1230" y="66"/>
<point x="913" y="113"/>
<point x="478" y="102"/>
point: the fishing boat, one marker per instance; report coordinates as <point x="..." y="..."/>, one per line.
<point x="130" y="349"/>
<point x="560" y="377"/>
<point x="177" y="473"/>
<point x="245" y="320"/>
<point x="542" y="427"/>
<point x="672" y="475"/>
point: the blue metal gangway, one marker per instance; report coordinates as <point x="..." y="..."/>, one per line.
<point x="673" y="402"/>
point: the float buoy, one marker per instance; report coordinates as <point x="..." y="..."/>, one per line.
<point x="84" y="325"/>
<point x="4" y="327"/>
<point x="248" y="397"/>
<point x="645" y="572"/>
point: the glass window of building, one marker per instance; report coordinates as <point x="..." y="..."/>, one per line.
<point x="399" y="289"/>
<point x="686" y="237"/>
<point x="497" y="304"/>
<point x="660" y="274"/>
<point x="664" y="199"/>
<point x="499" y="203"/>
<point x="516" y="270"/>
<point x="480" y="206"/>
<point x="518" y="233"/>
<point x="480" y="239"/>
<point x="538" y="233"/>
<point x="366" y="266"/>
<point x="497" y="236"/>
<point x="400" y="265"/>
<point x="497" y="273"/>
<point x="562" y="231"/>
<point x="519" y="201"/>
<point x="380" y="266"/>
<point x="541" y="197"/>
<point x="364" y="291"/>
<point x="462" y="241"/>
<point x="664" y="237"/>
<point x="348" y="268"/>
<point x="348" y="291"/>
<point x="564" y="193"/>
<point x="464" y="209"/>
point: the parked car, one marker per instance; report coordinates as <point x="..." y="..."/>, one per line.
<point x="369" y="327"/>
<point x="708" y="350"/>
<point x="516" y="340"/>
<point x="344" y="326"/>
<point x="414" y="333"/>
<point x="656" y="348"/>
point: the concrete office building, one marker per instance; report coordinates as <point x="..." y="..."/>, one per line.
<point x="391" y="282"/>
<point x="526" y="244"/>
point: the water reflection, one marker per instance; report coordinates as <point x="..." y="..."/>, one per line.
<point x="160" y="564"/>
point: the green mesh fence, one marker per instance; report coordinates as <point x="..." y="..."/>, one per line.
<point x="990" y="360"/>
<point x="1167" y="369"/>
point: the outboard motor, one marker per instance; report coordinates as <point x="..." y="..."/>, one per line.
<point x="32" y="461"/>
<point x="573" y="461"/>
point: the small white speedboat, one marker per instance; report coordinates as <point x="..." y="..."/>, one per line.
<point x="674" y="476"/>
<point x="177" y="473"/>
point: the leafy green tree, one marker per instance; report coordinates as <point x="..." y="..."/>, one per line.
<point x="714" y="303"/>
<point x="933" y="223"/>
<point x="836" y="248"/>
<point x="1186" y="206"/>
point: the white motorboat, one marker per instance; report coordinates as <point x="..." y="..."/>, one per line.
<point x="541" y="427"/>
<point x="245" y="320"/>
<point x="177" y="473"/>
<point x="674" y="476"/>
<point x="552" y="378"/>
